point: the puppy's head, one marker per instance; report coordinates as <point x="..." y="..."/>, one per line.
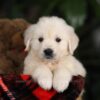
<point x="51" y="38"/>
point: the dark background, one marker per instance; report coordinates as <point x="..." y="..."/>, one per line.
<point x="83" y="15"/>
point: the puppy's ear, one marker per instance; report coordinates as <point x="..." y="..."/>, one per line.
<point x="27" y="45"/>
<point x="28" y="35"/>
<point x="73" y="41"/>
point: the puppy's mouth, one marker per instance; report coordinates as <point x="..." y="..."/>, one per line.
<point x="49" y="57"/>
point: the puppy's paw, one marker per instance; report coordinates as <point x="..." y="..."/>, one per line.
<point x="60" y="84"/>
<point x="43" y="76"/>
<point x="61" y="80"/>
<point x="45" y="82"/>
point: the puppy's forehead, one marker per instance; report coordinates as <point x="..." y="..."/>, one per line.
<point x="50" y="29"/>
<point x="52" y="26"/>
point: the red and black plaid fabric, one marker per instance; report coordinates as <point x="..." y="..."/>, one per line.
<point x="22" y="87"/>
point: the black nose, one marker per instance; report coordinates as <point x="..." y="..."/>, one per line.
<point x="48" y="52"/>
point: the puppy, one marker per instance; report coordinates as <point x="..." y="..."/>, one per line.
<point x="51" y="43"/>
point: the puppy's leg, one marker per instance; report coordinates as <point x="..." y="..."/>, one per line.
<point x="43" y="76"/>
<point x="61" y="79"/>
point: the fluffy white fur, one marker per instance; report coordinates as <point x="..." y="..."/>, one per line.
<point x="58" y="71"/>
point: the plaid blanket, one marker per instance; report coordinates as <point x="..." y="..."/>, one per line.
<point x="22" y="87"/>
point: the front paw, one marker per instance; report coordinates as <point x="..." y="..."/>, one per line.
<point x="43" y="76"/>
<point x="60" y="84"/>
<point x="45" y="82"/>
<point x="61" y="80"/>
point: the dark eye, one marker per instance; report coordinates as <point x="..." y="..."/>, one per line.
<point x="41" y="39"/>
<point x="58" y="39"/>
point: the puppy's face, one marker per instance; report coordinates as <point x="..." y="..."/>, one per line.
<point x="50" y="38"/>
<point x="49" y="43"/>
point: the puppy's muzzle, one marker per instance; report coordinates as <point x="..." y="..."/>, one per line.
<point x="48" y="53"/>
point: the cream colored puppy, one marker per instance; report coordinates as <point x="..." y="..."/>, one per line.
<point x="51" y="43"/>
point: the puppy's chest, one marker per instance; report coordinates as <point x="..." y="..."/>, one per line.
<point x="52" y="65"/>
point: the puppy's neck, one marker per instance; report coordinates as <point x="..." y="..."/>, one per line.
<point x="51" y="64"/>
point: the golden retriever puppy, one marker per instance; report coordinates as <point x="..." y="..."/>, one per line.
<point x="51" y="43"/>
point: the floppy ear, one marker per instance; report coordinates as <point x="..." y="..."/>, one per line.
<point x="27" y="45"/>
<point x="72" y="42"/>
<point x="28" y="35"/>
